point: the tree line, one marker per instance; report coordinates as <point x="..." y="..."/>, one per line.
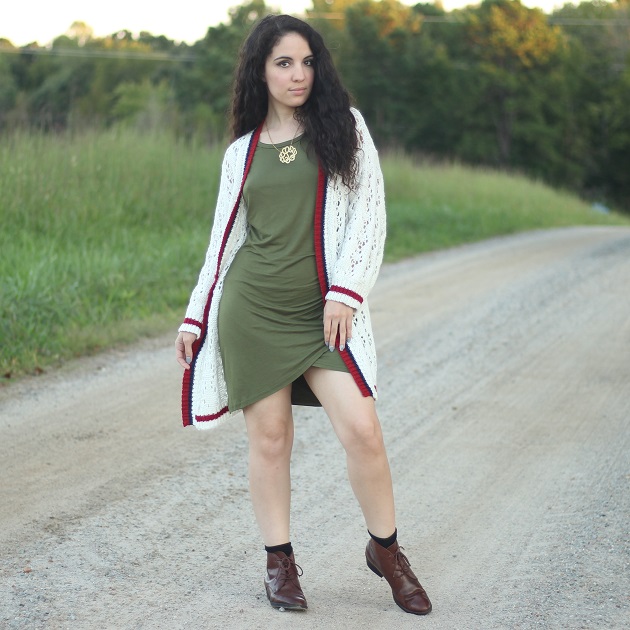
<point x="495" y="84"/>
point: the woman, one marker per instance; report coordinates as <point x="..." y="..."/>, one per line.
<point x="296" y="246"/>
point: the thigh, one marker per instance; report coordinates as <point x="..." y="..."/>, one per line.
<point x="271" y="416"/>
<point x="350" y="413"/>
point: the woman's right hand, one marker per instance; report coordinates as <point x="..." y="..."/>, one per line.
<point x="183" y="348"/>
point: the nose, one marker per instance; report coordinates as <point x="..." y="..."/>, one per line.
<point x="298" y="73"/>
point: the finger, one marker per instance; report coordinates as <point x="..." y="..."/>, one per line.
<point x="327" y="328"/>
<point x="188" y="345"/>
<point x="183" y="363"/>
<point x="334" y="331"/>
<point x="342" y="335"/>
<point x="179" y="348"/>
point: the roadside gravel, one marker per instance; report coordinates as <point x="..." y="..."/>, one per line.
<point x="504" y="372"/>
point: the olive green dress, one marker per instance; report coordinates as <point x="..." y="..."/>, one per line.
<point x="271" y="310"/>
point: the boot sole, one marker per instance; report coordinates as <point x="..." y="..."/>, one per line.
<point x="278" y="605"/>
<point x="411" y="612"/>
<point x="287" y="607"/>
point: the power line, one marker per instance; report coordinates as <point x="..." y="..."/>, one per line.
<point x="456" y="19"/>
<point x="445" y="19"/>
<point x="99" y="54"/>
<point x="588" y="22"/>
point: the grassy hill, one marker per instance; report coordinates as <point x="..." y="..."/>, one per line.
<point x="432" y="207"/>
<point x="103" y="234"/>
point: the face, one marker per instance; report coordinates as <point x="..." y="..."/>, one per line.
<point x="289" y="72"/>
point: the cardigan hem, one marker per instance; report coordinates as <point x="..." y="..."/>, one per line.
<point x="191" y="328"/>
<point x="201" y="424"/>
<point x="349" y="292"/>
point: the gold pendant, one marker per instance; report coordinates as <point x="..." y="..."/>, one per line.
<point x="287" y="154"/>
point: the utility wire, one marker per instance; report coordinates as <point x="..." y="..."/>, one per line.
<point x="457" y="19"/>
<point x="552" y="20"/>
<point x="100" y="54"/>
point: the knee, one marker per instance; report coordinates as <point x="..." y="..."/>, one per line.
<point x="364" y="435"/>
<point x="272" y="439"/>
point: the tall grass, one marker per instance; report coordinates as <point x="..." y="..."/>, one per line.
<point x="102" y="235"/>
<point x="431" y="206"/>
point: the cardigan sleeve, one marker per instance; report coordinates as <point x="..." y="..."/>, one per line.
<point x="193" y="321"/>
<point x="356" y="268"/>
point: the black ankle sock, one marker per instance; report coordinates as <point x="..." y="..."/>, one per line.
<point x="287" y="549"/>
<point x="385" y="542"/>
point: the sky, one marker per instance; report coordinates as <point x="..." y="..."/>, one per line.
<point x="184" y="20"/>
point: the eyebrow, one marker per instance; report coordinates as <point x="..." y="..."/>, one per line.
<point x="291" y="58"/>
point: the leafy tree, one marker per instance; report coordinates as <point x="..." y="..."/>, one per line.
<point x="204" y="86"/>
<point x="55" y="83"/>
<point x="332" y="12"/>
<point x="80" y="33"/>
<point x="495" y="83"/>
<point x="377" y="64"/>
<point x="598" y="73"/>
<point x="514" y="48"/>
<point x="8" y="87"/>
<point x="145" y="106"/>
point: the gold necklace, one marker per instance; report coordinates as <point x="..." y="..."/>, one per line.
<point x="286" y="154"/>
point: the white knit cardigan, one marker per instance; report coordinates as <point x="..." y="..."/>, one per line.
<point x="349" y="240"/>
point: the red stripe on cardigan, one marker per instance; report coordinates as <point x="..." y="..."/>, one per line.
<point x="318" y="233"/>
<point x="212" y="416"/>
<point x="192" y="322"/>
<point x="357" y="375"/>
<point x="348" y="292"/>
<point x="188" y="374"/>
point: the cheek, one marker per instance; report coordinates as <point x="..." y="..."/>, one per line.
<point x="274" y="79"/>
<point x="268" y="74"/>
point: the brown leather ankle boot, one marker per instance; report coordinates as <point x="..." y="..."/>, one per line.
<point x="392" y="564"/>
<point x="282" y="583"/>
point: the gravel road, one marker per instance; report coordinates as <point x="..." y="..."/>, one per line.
<point x="504" y="372"/>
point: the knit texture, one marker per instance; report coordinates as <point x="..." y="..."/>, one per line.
<point x="349" y="240"/>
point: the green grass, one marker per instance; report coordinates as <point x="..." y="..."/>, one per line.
<point x="103" y="234"/>
<point x="102" y="239"/>
<point x="433" y="207"/>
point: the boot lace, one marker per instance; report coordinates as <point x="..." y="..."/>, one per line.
<point x="403" y="566"/>
<point x="290" y="569"/>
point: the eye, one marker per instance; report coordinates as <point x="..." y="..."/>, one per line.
<point x="308" y="62"/>
<point x="283" y="64"/>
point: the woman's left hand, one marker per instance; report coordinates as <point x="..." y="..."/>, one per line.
<point x="337" y="321"/>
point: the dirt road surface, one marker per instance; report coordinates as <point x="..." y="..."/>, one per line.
<point x="505" y="401"/>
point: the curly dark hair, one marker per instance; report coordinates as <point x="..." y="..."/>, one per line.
<point x="326" y="117"/>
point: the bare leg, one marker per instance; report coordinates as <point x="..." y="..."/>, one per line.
<point x="270" y="431"/>
<point x="356" y="424"/>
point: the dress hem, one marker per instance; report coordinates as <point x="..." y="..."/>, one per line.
<point x="272" y="390"/>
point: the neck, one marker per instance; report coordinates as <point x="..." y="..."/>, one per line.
<point x="280" y="125"/>
<point x="281" y="118"/>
